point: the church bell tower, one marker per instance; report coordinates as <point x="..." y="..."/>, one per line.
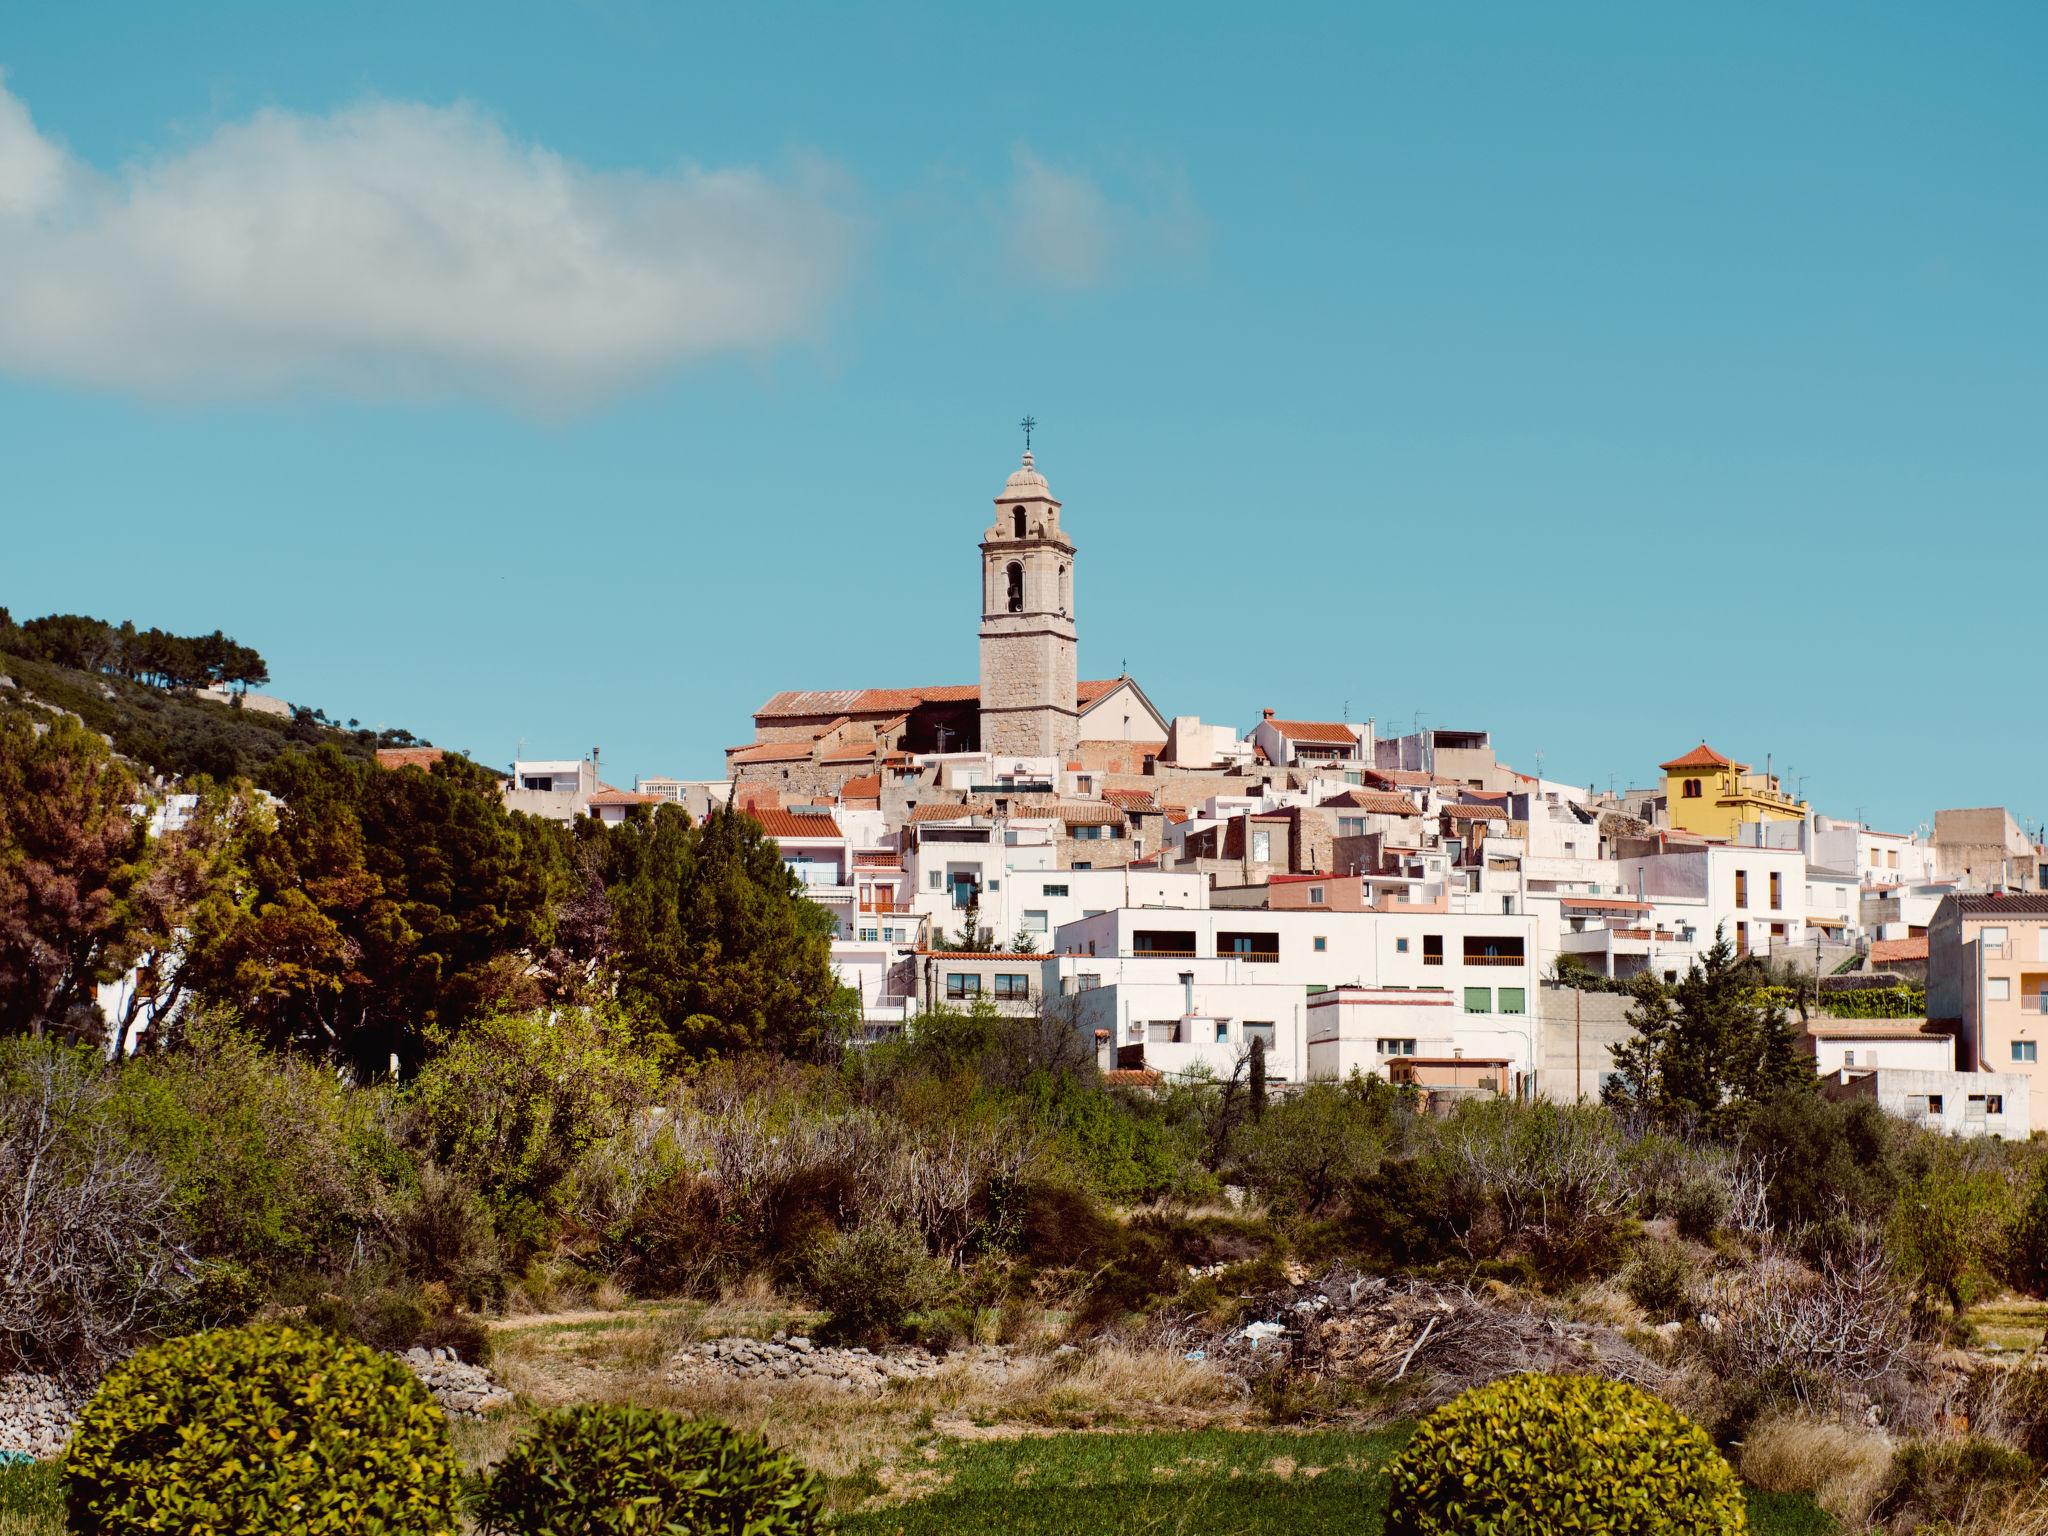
<point x="1028" y="641"/>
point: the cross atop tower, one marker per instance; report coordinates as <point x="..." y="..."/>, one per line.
<point x="1027" y="424"/>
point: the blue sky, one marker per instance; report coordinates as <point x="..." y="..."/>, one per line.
<point x="1605" y="376"/>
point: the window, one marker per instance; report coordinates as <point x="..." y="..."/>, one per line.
<point x="1083" y="864"/>
<point x="1015" y="575"/>
<point x="868" y="935"/>
<point x="1511" y="1000"/>
<point x="1262" y="847"/>
<point x="1691" y="791"/>
<point x="1255" y="1030"/>
<point x="1066" y="601"/>
<point x="1163" y="1032"/>
<point x="1777" y="891"/>
<point x="1479" y="1000"/>
<point x="1396" y="1047"/>
<point x="1997" y="989"/>
<point x="1920" y="1105"/>
<point x="1315" y="895"/>
<point x="1742" y="888"/>
<point x="1891" y="858"/>
<point x="1055" y="890"/>
<point x="2024" y="1051"/>
<point x="1991" y="938"/>
<point x="1848" y="1058"/>
<point x="1087" y="981"/>
<point x="1400" y="946"/>
<point x="1085" y="834"/>
<point x="1013" y="988"/>
<point x="1034" y="921"/>
<point x="1017" y="523"/>
<point x="1934" y="1103"/>
<point x="1351" y="826"/>
<point x="1432" y="949"/>
<point x="959" y="985"/>
<point x="1994" y="1103"/>
<point x="1222" y="1031"/>
<point x="938" y="879"/>
<point x="1323" y="944"/>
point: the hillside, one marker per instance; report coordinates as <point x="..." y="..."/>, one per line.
<point x="173" y="731"/>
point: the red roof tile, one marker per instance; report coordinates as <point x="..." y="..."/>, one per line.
<point x="1131" y="799"/>
<point x="625" y="797"/>
<point x="874" y="701"/>
<point x="1316" y="730"/>
<point x="1702" y="756"/>
<point x="1132" y="1077"/>
<point x="859" y="752"/>
<point x="1475" y="813"/>
<point x="863" y="786"/>
<point x="1893" y="951"/>
<point x="780" y="823"/>
<point x="771" y="752"/>
<point x="1379" y="802"/>
<point x="950" y="812"/>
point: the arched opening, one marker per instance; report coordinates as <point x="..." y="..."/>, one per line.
<point x="1692" y="789"/>
<point x="1017" y="522"/>
<point x="1066" y="597"/>
<point x="1015" y="573"/>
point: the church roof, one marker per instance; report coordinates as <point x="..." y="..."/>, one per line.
<point x="893" y="701"/>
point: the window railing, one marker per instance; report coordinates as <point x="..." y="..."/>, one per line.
<point x="1495" y="960"/>
<point x="1256" y="956"/>
<point x="1163" y="954"/>
<point x="1432" y="959"/>
<point x="889" y="908"/>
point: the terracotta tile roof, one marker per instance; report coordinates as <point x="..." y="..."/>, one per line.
<point x="409" y="757"/>
<point x="609" y="796"/>
<point x="1177" y="817"/>
<point x="1379" y="802"/>
<point x="873" y="701"/>
<point x="1874" y="1029"/>
<point x="1132" y="1077"/>
<point x="1475" y="813"/>
<point x="1406" y="778"/>
<point x="1316" y="730"/>
<point x="859" y="752"/>
<point x="1302" y="879"/>
<point x="864" y="786"/>
<point x="1075" y="813"/>
<point x="1131" y="799"/>
<point x="1702" y="756"/>
<point x="1149" y="861"/>
<point x="780" y="823"/>
<point x="771" y="752"/>
<point x="951" y="812"/>
<point x="1892" y="951"/>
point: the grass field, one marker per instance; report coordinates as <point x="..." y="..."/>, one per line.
<point x="1211" y="1482"/>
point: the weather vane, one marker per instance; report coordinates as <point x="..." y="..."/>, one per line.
<point x="1027" y="424"/>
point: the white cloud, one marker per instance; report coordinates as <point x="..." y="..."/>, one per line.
<point x="394" y="248"/>
<point x="1066" y="228"/>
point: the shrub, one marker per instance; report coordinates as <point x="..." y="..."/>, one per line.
<point x="872" y="1279"/>
<point x="1561" y="1453"/>
<point x="94" y="1254"/>
<point x="1946" y="1480"/>
<point x="610" y="1471"/>
<point x="1660" y="1281"/>
<point x="515" y="1101"/>
<point x="262" y="1428"/>
<point x="1699" y="1205"/>
<point x="1844" y="1467"/>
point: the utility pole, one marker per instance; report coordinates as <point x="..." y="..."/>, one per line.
<point x="1578" y="1045"/>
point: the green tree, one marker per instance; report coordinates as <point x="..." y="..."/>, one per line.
<point x="713" y="939"/>
<point x="378" y="905"/>
<point x="72" y="849"/>
<point x="1708" y="1050"/>
<point x="1947" y="1228"/>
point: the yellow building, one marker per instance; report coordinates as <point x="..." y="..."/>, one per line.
<point x="1711" y="795"/>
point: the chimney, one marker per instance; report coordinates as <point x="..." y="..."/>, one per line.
<point x="1269" y="714"/>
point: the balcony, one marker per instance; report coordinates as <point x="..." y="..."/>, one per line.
<point x="814" y="877"/>
<point x="1162" y="954"/>
<point x="887" y="908"/>
<point x="1495" y="960"/>
<point x="1254" y="956"/>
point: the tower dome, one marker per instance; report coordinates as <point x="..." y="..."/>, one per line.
<point x="1026" y="483"/>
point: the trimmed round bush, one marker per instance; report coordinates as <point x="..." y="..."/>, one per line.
<point x="614" y="1471"/>
<point x="261" y="1428"/>
<point x="1562" y="1454"/>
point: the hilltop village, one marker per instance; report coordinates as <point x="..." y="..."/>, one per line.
<point x="1352" y="899"/>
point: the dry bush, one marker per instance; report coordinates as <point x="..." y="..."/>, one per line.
<point x="90" y="1255"/>
<point x="1810" y="1334"/>
<point x="1843" y="1467"/>
<point x="1542" y="1176"/>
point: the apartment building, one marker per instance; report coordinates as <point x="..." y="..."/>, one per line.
<point x="1987" y="975"/>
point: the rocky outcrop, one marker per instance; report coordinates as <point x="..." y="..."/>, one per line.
<point x="795" y="1358"/>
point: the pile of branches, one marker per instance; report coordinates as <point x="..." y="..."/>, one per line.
<point x="1432" y="1339"/>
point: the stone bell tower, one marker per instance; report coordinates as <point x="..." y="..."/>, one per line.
<point x="1028" y="705"/>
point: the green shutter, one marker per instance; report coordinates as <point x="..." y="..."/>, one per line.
<point x="1479" y="999"/>
<point x="1511" y="1000"/>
